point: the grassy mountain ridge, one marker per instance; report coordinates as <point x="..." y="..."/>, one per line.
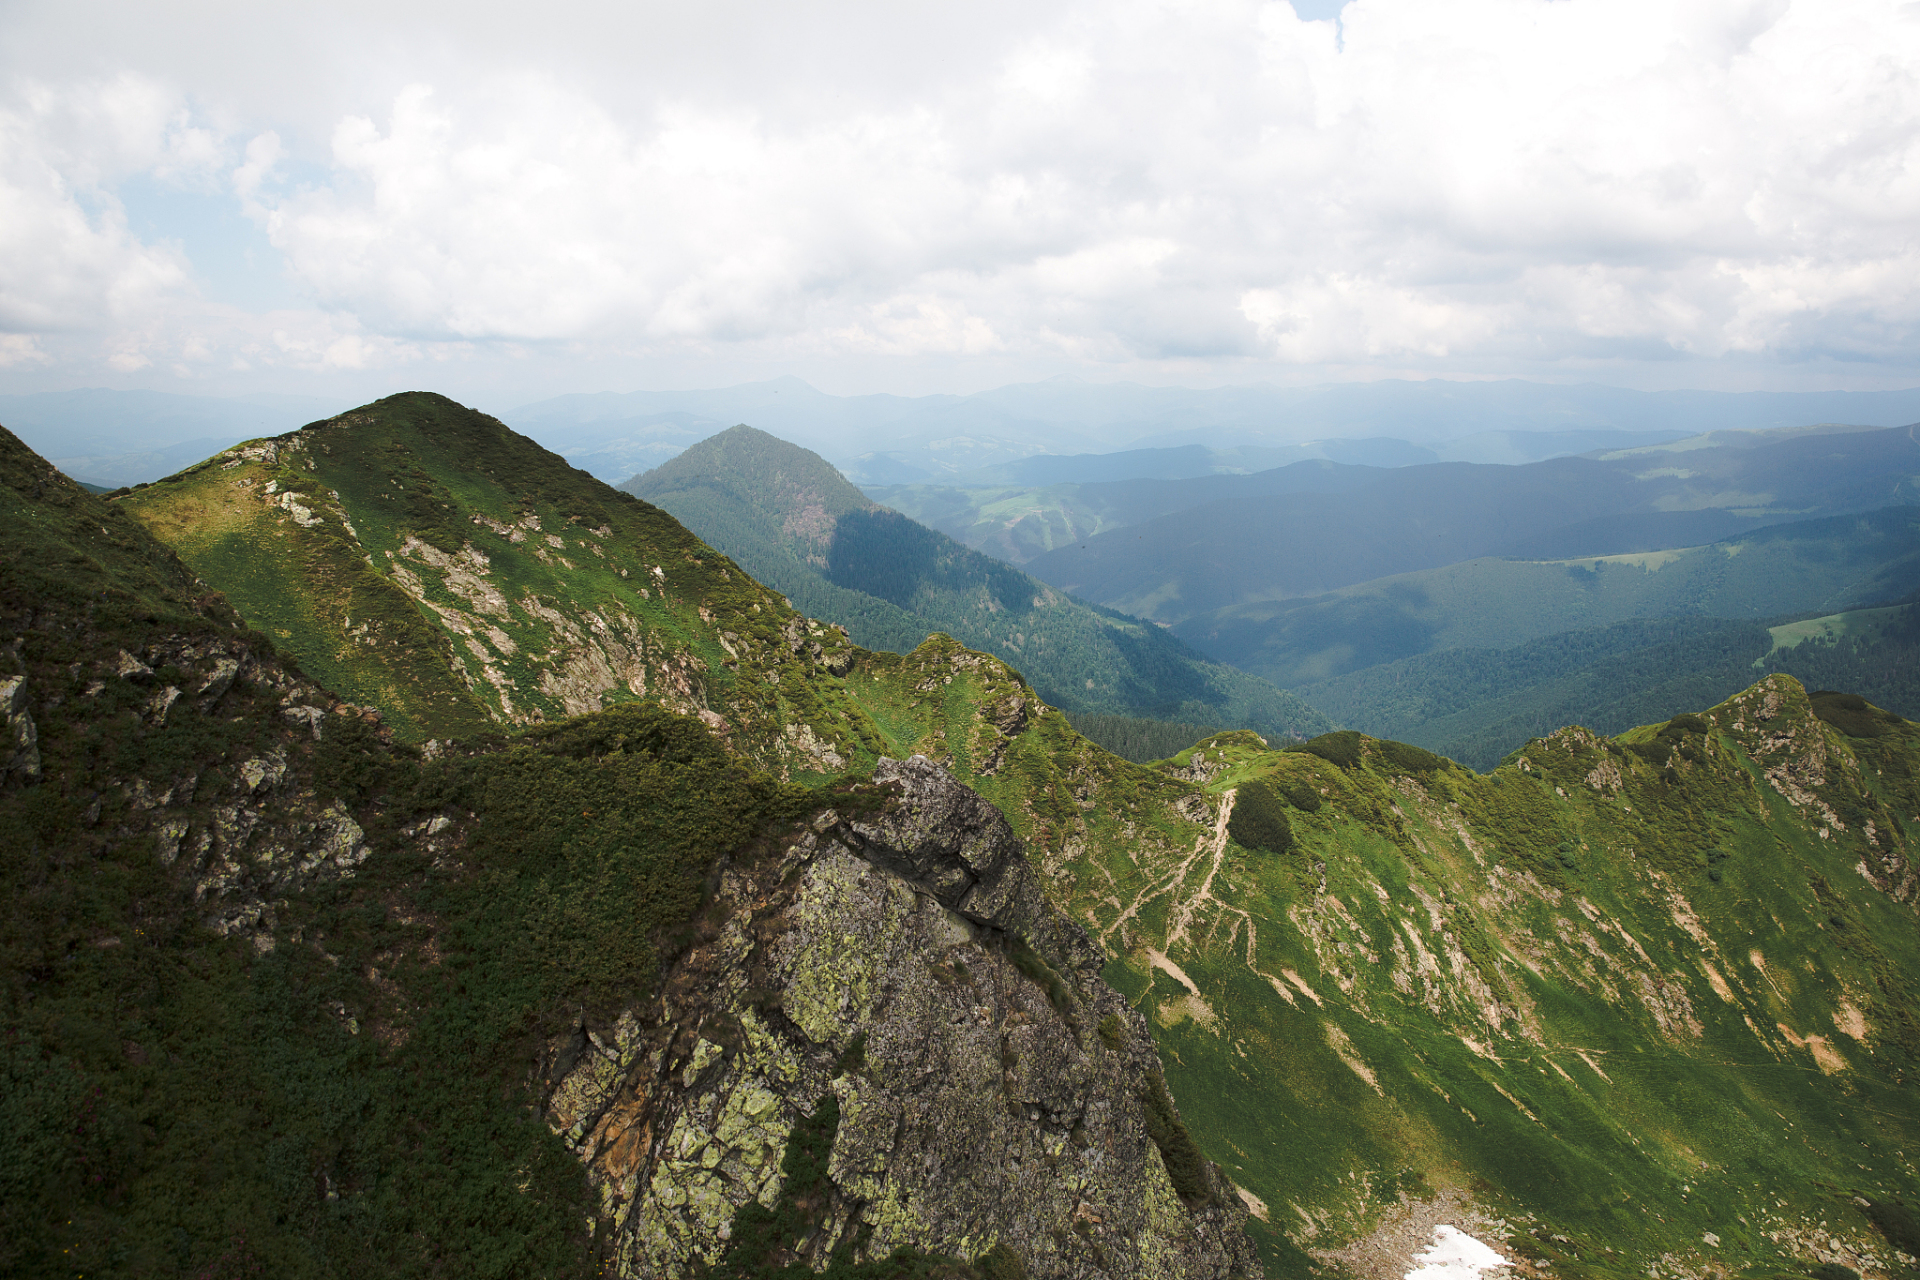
<point x="421" y="557"/>
<point x="789" y="518"/>
<point x="1610" y="990"/>
<point x="270" y="985"/>
<point x="1623" y="994"/>
<point x="179" y="1099"/>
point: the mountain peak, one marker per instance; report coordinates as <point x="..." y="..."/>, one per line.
<point x="765" y="472"/>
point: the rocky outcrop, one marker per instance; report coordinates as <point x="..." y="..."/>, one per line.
<point x="243" y="837"/>
<point x="991" y="1091"/>
<point x="19" y="739"/>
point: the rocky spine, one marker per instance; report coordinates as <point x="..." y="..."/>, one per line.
<point x="992" y="1092"/>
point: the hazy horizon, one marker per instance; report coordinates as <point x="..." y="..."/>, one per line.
<point x="115" y="437"/>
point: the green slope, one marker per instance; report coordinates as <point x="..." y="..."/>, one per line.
<point x="1622" y="994"/>
<point x="1649" y="1000"/>
<point x="1816" y="565"/>
<point x="180" y="1096"/>
<point x="791" y="520"/>
<point x="420" y="557"/>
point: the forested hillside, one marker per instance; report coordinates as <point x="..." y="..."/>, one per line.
<point x="1813" y="565"/>
<point x="1476" y="705"/>
<point x="1211" y="555"/>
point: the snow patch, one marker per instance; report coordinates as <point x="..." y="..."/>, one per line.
<point x="1455" y="1255"/>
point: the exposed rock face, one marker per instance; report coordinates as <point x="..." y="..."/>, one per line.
<point x="991" y="1089"/>
<point x="19" y="740"/>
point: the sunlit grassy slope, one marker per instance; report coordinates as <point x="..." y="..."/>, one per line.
<point x="1631" y="992"/>
<point x="1628" y="991"/>
<point x="420" y="557"/>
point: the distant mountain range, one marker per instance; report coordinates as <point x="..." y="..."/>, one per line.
<point x="790" y="519"/>
<point x="1348" y="522"/>
<point x="112" y="438"/>
<point x="1073" y="430"/>
<point x="1466" y="607"/>
<point x="888" y="439"/>
<point x="1490" y="602"/>
<point x="1469" y="656"/>
<point x="1477" y="704"/>
<point x="1180" y="462"/>
<point x="1173" y="549"/>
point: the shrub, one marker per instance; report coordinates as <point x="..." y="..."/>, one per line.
<point x="1185" y="1165"/>
<point x="1259" y="821"/>
<point x="1411" y="758"/>
<point x="1899" y="1224"/>
<point x="1028" y="961"/>
<point x="1341" y="747"/>
<point x="1001" y="1263"/>
<point x="1301" y="795"/>
<point x="1851" y="714"/>
<point x="1657" y="751"/>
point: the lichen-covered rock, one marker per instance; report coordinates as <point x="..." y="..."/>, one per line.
<point x="992" y="1091"/>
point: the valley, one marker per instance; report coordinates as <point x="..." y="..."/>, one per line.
<point x="1469" y="607"/>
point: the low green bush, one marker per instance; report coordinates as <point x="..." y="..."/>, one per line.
<point x="1259" y="821"/>
<point x="1341" y="747"/>
<point x="1301" y="794"/>
<point x="1001" y="1263"/>
<point x="1657" y="751"/>
<point x="1028" y="962"/>
<point x="1898" y="1223"/>
<point x="1851" y="714"/>
<point x="1411" y="758"/>
<point x="1185" y="1165"/>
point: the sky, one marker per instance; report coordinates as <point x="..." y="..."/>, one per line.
<point x="517" y="200"/>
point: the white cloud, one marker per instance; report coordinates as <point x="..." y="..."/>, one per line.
<point x="1501" y="183"/>
<point x="67" y="259"/>
<point x="20" y="350"/>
